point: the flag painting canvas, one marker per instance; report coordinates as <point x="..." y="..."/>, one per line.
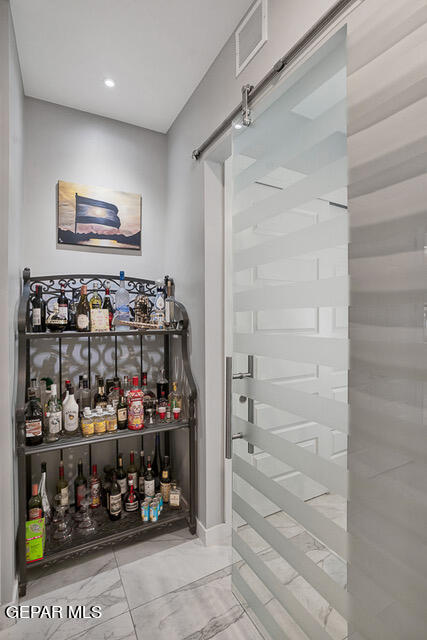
<point x="98" y="217"/>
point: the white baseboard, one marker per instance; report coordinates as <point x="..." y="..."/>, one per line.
<point x="220" y="534"/>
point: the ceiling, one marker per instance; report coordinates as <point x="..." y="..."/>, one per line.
<point x="156" y="51"/>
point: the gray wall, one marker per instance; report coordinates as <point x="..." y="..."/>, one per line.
<point x="217" y="94"/>
<point x="11" y="142"/>
<point x="65" y="144"/>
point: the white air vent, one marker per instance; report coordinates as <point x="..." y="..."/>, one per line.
<point x="251" y="34"/>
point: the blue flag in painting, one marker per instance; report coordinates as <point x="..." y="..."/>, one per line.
<point x="90" y="211"/>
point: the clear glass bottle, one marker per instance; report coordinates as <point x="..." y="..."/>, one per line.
<point x="170" y="303"/>
<point x="33" y="420"/>
<point x="175" y="401"/>
<point x="174" y="496"/>
<point x="100" y="422"/>
<point x="53" y="416"/>
<point x="47" y="510"/>
<point x="114" y="397"/>
<point x="126" y="386"/>
<point x="85" y="399"/>
<point x="122" y="305"/>
<point x="111" y="419"/>
<point x="71" y="414"/>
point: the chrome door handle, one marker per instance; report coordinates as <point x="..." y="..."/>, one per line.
<point x="229" y="377"/>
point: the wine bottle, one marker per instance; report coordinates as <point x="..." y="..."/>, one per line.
<point x="95" y="488"/>
<point x="157" y="462"/>
<point x="121" y="475"/>
<point x="62" y="486"/>
<point x="83" y="311"/>
<point x="33" y="420"/>
<point x="122" y="412"/>
<point x="141" y="473"/>
<point x="35" y="507"/>
<point x="63" y="304"/>
<point x="132" y="473"/>
<point x="107" y="304"/>
<point x="38" y="313"/>
<point x="115" y="499"/>
<point x="149" y="484"/>
<point x="80" y="485"/>
<point x="131" y="500"/>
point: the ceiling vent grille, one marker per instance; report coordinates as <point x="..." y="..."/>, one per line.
<point x="251" y="34"/>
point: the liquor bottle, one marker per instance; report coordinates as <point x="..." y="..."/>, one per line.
<point x="175" y="401"/>
<point x="162" y="386"/>
<point x="135" y="406"/>
<point x="72" y="311"/>
<point x="121" y="475"/>
<point x="35" y="507"/>
<point x="169" y="302"/>
<point x="95" y="299"/>
<point x="54" y="416"/>
<point x="87" y="423"/>
<point x="85" y="399"/>
<point x="165" y="481"/>
<point x="132" y="473"/>
<point x="66" y="391"/>
<point x="62" y="486"/>
<point x="95" y="488"/>
<point x="115" y="499"/>
<point x="122" y="305"/>
<point x="126" y="386"/>
<point x="149" y="483"/>
<point x="71" y="414"/>
<point x="55" y="322"/>
<point x="80" y="485"/>
<point x="83" y="311"/>
<point x="38" y="313"/>
<point x="34" y="385"/>
<point x="100" y="399"/>
<point x="157" y="462"/>
<point x="47" y="511"/>
<point x="157" y="315"/>
<point x="131" y="500"/>
<point x="142" y="308"/>
<point x="149" y="400"/>
<point x="107" y="304"/>
<point x="122" y="412"/>
<point x="106" y="486"/>
<point x="141" y="474"/>
<point x="33" y="420"/>
<point x="114" y="397"/>
<point x="63" y="305"/>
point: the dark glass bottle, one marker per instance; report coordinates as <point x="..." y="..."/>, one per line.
<point x="106" y="486"/>
<point x="121" y="475"/>
<point x="122" y="412"/>
<point x="131" y="501"/>
<point x="162" y="387"/>
<point x="63" y="304"/>
<point x="132" y="473"/>
<point x="62" y="486"/>
<point x="100" y="399"/>
<point x="141" y="473"/>
<point x="157" y="462"/>
<point x="115" y="500"/>
<point x="72" y="311"/>
<point x="35" y="507"/>
<point x="80" y="485"/>
<point x="38" y="313"/>
<point x="33" y="420"/>
<point x="107" y="304"/>
<point x="95" y="488"/>
<point x="149" y="483"/>
<point x="165" y="481"/>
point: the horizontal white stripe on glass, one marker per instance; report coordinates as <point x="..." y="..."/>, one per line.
<point x="318" y="237"/>
<point x="332" y="536"/>
<point x="309" y="406"/>
<point x="332" y="352"/>
<point x="323" y="471"/>
<point x="326" y="292"/>
<point x="283" y="594"/>
<point x="330" y="177"/>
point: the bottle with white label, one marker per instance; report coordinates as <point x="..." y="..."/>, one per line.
<point x="33" y="420"/>
<point x="149" y="482"/>
<point x="53" y="416"/>
<point x="62" y="486"/>
<point x="71" y="414"/>
<point x="121" y="476"/>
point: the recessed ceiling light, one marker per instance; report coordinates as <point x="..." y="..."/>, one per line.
<point x="109" y="83"/>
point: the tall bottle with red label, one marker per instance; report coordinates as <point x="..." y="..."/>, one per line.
<point x="135" y="406"/>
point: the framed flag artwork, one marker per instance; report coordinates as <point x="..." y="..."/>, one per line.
<point x="98" y="217"/>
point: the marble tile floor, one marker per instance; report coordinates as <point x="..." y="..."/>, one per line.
<point x="172" y="587"/>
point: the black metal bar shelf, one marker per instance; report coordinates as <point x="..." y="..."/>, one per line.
<point x="79" y="441"/>
<point x="129" y="528"/>
<point x="98" y="334"/>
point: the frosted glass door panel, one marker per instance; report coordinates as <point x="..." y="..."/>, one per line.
<point x="290" y="332"/>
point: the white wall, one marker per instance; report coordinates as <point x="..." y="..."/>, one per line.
<point x="11" y="142"/>
<point x="215" y="97"/>
<point x="65" y="144"/>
